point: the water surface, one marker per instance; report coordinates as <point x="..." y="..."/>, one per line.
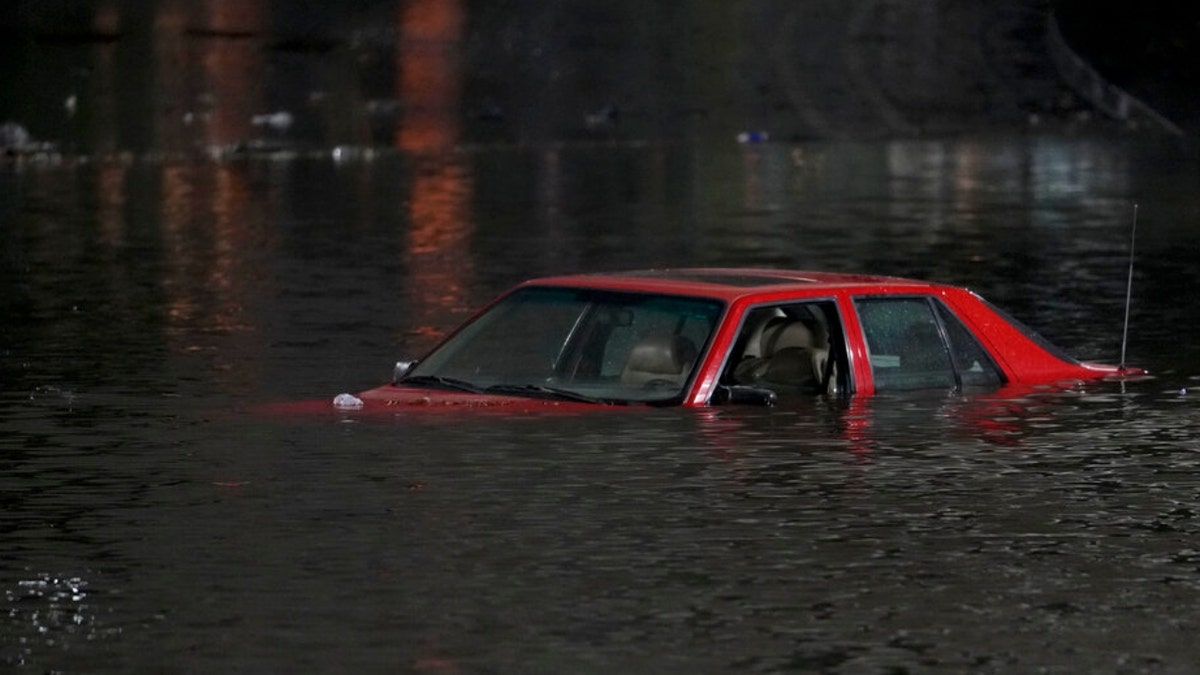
<point x="151" y="522"/>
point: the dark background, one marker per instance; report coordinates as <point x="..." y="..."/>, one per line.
<point x="1147" y="48"/>
<point x="624" y="69"/>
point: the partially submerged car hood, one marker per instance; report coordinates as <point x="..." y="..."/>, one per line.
<point x="389" y="400"/>
<point x="393" y="396"/>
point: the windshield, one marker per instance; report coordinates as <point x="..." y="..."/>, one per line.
<point x="576" y="343"/>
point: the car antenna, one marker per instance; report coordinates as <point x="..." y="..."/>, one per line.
<point x="1128" y="289"/>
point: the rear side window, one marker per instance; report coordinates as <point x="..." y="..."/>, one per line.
<point x="971" y="361"/>
<point x="917" y="343"/>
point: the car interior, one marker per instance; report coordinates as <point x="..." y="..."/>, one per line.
<point x="787" y="349"/>
<point x="659" y="358"/>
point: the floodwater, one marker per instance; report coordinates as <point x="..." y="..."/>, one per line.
<point x="152" y="522"/>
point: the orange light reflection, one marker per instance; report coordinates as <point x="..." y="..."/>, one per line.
<point x="214" y="238"/>
<point x="438" y="242"/>
<point x="233" y="68"/>
<point x="110" y="192"/>
<point x="428" y="82"/>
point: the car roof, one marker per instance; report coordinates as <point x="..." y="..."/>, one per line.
<point x="731" y="283"/>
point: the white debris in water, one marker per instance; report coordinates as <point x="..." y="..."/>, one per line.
<point x="347" y="402"/>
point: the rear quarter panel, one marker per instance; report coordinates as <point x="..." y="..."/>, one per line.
<point x="1021" y="359"/>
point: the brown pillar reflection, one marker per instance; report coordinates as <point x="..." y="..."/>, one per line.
<point x="110" y="206"/>
<point x="172" y="98"/>
<point x="210" y="77"/>
<point x="429" y="88"/>
<point x="211" y="71"/>
<point x="216" y="231"/>
<point x="232" y="67"/>
<point x="438" y="249"/>
<point x="428" y="76"/>
<point x="101" y="94"/>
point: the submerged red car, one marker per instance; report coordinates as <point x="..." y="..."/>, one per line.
<point x="702" y="337"/>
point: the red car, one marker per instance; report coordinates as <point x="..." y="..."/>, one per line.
<point x="701" y="337"/>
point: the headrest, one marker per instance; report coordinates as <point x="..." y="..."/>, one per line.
<point x="661" y="356"/>
<point x="783" y="333"/>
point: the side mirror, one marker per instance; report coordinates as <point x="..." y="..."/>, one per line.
<point x="743" y="395"/>
<point x="401" y="369"/>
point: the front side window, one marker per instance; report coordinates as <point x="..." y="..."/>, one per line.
<point x="793" y="349"/>
<point x="918" y="343"/>
<point x="606" y="345"/>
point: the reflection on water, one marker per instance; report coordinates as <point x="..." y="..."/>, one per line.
<point x="215" y="238"/>
<point x="209" y="86"/>
<point x="46" y="611"/>
<point x="439" y="232"/>
<point x="231" y="70"/>
<point x="1038" y="225"/>
<point x="428" y="81"/>
<point x="438" y="247"/>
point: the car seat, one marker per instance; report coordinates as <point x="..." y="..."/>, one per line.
<point x="659" y="357"/>
<point x="794" y="354"/>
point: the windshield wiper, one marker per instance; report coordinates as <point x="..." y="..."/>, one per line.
<point x="542" y="391"/>
<point x="439" y="382"/>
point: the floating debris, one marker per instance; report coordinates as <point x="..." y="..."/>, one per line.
<point x="347" y="402"/>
